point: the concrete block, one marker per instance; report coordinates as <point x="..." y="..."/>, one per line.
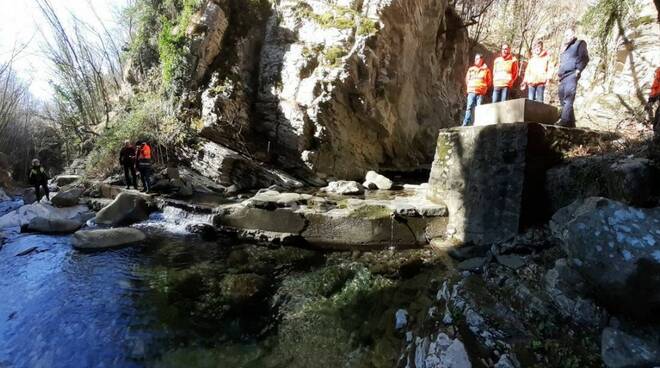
<point x="516" y="111"/>
<point x="492" y="177"/>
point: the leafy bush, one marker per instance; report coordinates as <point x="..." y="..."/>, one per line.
<point x="333" y="55"/>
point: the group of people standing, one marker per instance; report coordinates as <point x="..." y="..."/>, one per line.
<point x="537" y="75"/>
<point x="136" y="157"/>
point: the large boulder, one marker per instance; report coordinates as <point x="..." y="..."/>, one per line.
<point x="106" y="238"/>
<point x="629" y="180"/>
<point x="616" y="248"/>
<point x="374" y="180"/>
<point x="3" y="196"/>
<point x="64" y="180"/>
<point x="29" y="196"/>
<point x="53" y="225"/>
<point x="67" y="198"/>
<point x="127" y="208"/>
<point x="620" y="349"/>
<point x="25" y="214"/>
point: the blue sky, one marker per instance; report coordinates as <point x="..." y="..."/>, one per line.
<point x="20" y="21"/>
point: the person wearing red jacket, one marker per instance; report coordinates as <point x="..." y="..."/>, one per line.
<point x="143" y="154"/>
<point x="478" y="80"/>
<point x="654" y="97"/>
<point x="505" y="73"/>
<point x="537" y="74"/>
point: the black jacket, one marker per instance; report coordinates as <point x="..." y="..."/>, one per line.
<point x="575" y="57"/>
<point x="127" y="156"/>
<point x="37" y="175"/>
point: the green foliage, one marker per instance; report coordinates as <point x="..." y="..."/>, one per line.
<point x="606" y="16"/>
<point x="367" y="26"/>
<point x="146" y="117"/>
<point x="173" y="43"/>
<point x="333" y="55"/>
<point x="340" y="17"/>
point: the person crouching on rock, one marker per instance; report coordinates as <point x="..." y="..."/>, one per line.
<point x="39" y="179"/>
<point x="478" y="81"/>
<point x="127" y="161"/>
<point x="144" y="164"/>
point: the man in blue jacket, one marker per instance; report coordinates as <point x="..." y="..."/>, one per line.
<point x="574" y="58"/>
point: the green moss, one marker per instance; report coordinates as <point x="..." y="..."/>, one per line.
<point x="173" y="43"/>
<point x="371" y="212"/>
<point x="333" y="55"/>
<point x="367" y="26"/>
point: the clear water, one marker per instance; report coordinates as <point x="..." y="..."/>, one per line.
<point x="164" y="303"/>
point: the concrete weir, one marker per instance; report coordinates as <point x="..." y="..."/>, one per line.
<point x="492" y="177"/>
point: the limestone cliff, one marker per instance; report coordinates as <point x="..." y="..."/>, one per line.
<point x="333" y="88"/>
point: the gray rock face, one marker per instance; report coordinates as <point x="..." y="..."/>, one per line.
<point x="127" y="208"/>
<point x="616" y="248"/>
<point x="343" y="187"/>
<point x="207" y="31"/>
<point x="339" y="99"/>
<point x="67" y="198"/>
<point x="622" y="350"/>
<point x="444" y="352"/>
<point x="491" y="177"/>
<point x="228" y="167"/>
<point x="629" y="180"/>
<point x="53" y="225"/>
<point x="374" y="180"/>
<point x="106" y="238"/>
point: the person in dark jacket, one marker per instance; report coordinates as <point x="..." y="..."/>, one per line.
<point x="39" y="179"/>
<point x="144" y="164"/>
<point x="574" y="58"/>
<point x="127" y="161"/>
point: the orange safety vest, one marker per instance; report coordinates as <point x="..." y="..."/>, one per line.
<point x="538" y="70"/>
<point x="655" y="90"/>
<point x="505" y="71"/>
<point x="144" y="153"/>
<point x="478" y="79"/>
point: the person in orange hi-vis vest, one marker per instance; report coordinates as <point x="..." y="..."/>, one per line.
<point x="654" y="97"/>
<point x="538" y="73"/>
<point x="505" y="73"/>
<point x="478" y="80"/>
<point x="143" y="154"/>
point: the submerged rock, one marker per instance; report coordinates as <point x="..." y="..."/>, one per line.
<point x="53" y="225"/>
<point x="126" y="209"/>
<point x="107" y="238"/>
<point x="616" y="248"/>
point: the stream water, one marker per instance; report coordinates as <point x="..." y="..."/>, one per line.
<point x="179" y="301"/>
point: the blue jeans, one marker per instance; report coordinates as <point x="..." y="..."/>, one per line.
<point x="536" y="93"/>
<point x="567" y="90"/>
<point x="473" y="100"/>
<point x="500" y="94"/>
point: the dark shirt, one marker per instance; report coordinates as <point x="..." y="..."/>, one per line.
<point x="37" y="175"/>
<point x="575" y="57"/>
<point x="127" y="155"/>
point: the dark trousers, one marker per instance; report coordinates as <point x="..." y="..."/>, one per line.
<point x="37" y="192"/>
<point x="536" y="93"/>
<point x="129" y="176"/>
<point x="656" y="121"/>
<point x="500" y="94"/>
<point x="473" y="100"/>
<point x="145" y="174"/>
<point x="567" y="91"/>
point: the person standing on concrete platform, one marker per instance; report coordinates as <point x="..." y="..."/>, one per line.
<point x="537" y="74"/>
<point x="478" y="80"/>
<point x="505" y="73"/>
<point x="127" y="161"/>
<point x="654" y="97"/>
<point x="574" y="58"/>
